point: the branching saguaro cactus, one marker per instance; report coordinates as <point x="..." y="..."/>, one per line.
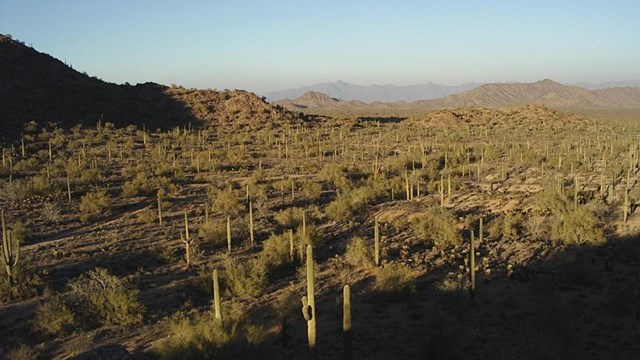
<point x="10" y="251"/>
<point x="309" y="303"/>
<point x="216" y="299"/>
<point x="346" y="323"/>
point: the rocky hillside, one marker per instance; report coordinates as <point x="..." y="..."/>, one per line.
<point x="36" y="86"/>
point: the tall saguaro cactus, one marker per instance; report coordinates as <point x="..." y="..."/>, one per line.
<point x="346" y="323"/>
<point x="186" y="240"/>
<point x="376" y="242"/>
<point x="10" y="251"/>
<point x="309" y="303"/>
<point x="216" y="299"/>
<point x="472" y="265"/>
<point x="251" y="236"/>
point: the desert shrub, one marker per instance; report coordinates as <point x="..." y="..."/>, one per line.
<point x="509" y="227"/>
<point x="93" y="204"/>
<point x="98" y="294"/>
<point x="226" y="202"/>
<point x="437" y="225"/>
<point x="244" y="278"/>
<point x="51" y="212"/>
<point x="340" y="209"/>
<point x="22" y="352"/>
<point x="275" y="252"/>
<point x="195" y="339"/>
<point x="359" y="253"/>
<point x="394" y="278"/>
<point x="202" y="338"/>
<point x="310" y="190"/>
<point x="578" y="227"/>
<point x="214" y="232"/>
<point x="552" y="200"/>
<point x="311" y="237"/>
<point x="53" y="318"/>
<point x="147" y="216"/>
<point x="289" y="218"/>
<point x="27" y="284"/>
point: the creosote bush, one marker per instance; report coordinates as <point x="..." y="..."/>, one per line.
<point x="214" y="232"/>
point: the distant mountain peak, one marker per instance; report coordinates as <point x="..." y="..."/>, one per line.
<point x="374" y="93"/>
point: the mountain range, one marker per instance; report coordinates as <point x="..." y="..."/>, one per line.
<point x="545" y="92"/>
<point x="373" y="93"/>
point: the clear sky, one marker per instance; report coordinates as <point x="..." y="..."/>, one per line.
<point x="272" y="45"/>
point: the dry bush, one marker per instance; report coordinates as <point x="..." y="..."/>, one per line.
<point x="22" y="352"/>
<point x="53" y="318"/>
<point x="100" y="295"/>
<point x="51" y="212"/>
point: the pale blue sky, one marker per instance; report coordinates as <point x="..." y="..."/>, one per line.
<point x="272" y="45"/>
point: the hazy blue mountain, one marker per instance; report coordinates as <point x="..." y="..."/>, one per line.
<point x="368" y="94"/>
<point x="610" y="84"/>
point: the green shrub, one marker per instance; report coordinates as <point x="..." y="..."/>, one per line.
<point x="310" y="190"/>
<point x="27" y="284"/>
<point x="578" y="227"/>
<point x="437" y="225"/>
<point x="100" y="295"/>
<point x="275" y="252"/>
<point x="196" y="339"/>
<point x="394" y="278"/>
<point x="226" y="202"/>
<point x="289" y="218"/>
<point x="244" y="278"/>
<point x="53" y="318"/>
<point x="93" y="204"/>
<point x="340" y="209"/>
<point x="359" y="253"/>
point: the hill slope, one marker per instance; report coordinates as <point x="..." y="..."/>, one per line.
<point x="36" y="86"/>
<point x="546" y="92"/>
<point x="374" y="93"/>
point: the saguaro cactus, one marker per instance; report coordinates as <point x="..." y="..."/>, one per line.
<point x="346" y="323"/>
<point x="160" y="207"/>
<point x="472" y="267"/>
<point x="186" y="240"/>
<point x="251" y="237"/>
<point x="309" y="302"/>
<point x="216" y="299"/>
<point x="10" y="251"/>
<point x="229" y="234"/>
<point x="376" y="242"/>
